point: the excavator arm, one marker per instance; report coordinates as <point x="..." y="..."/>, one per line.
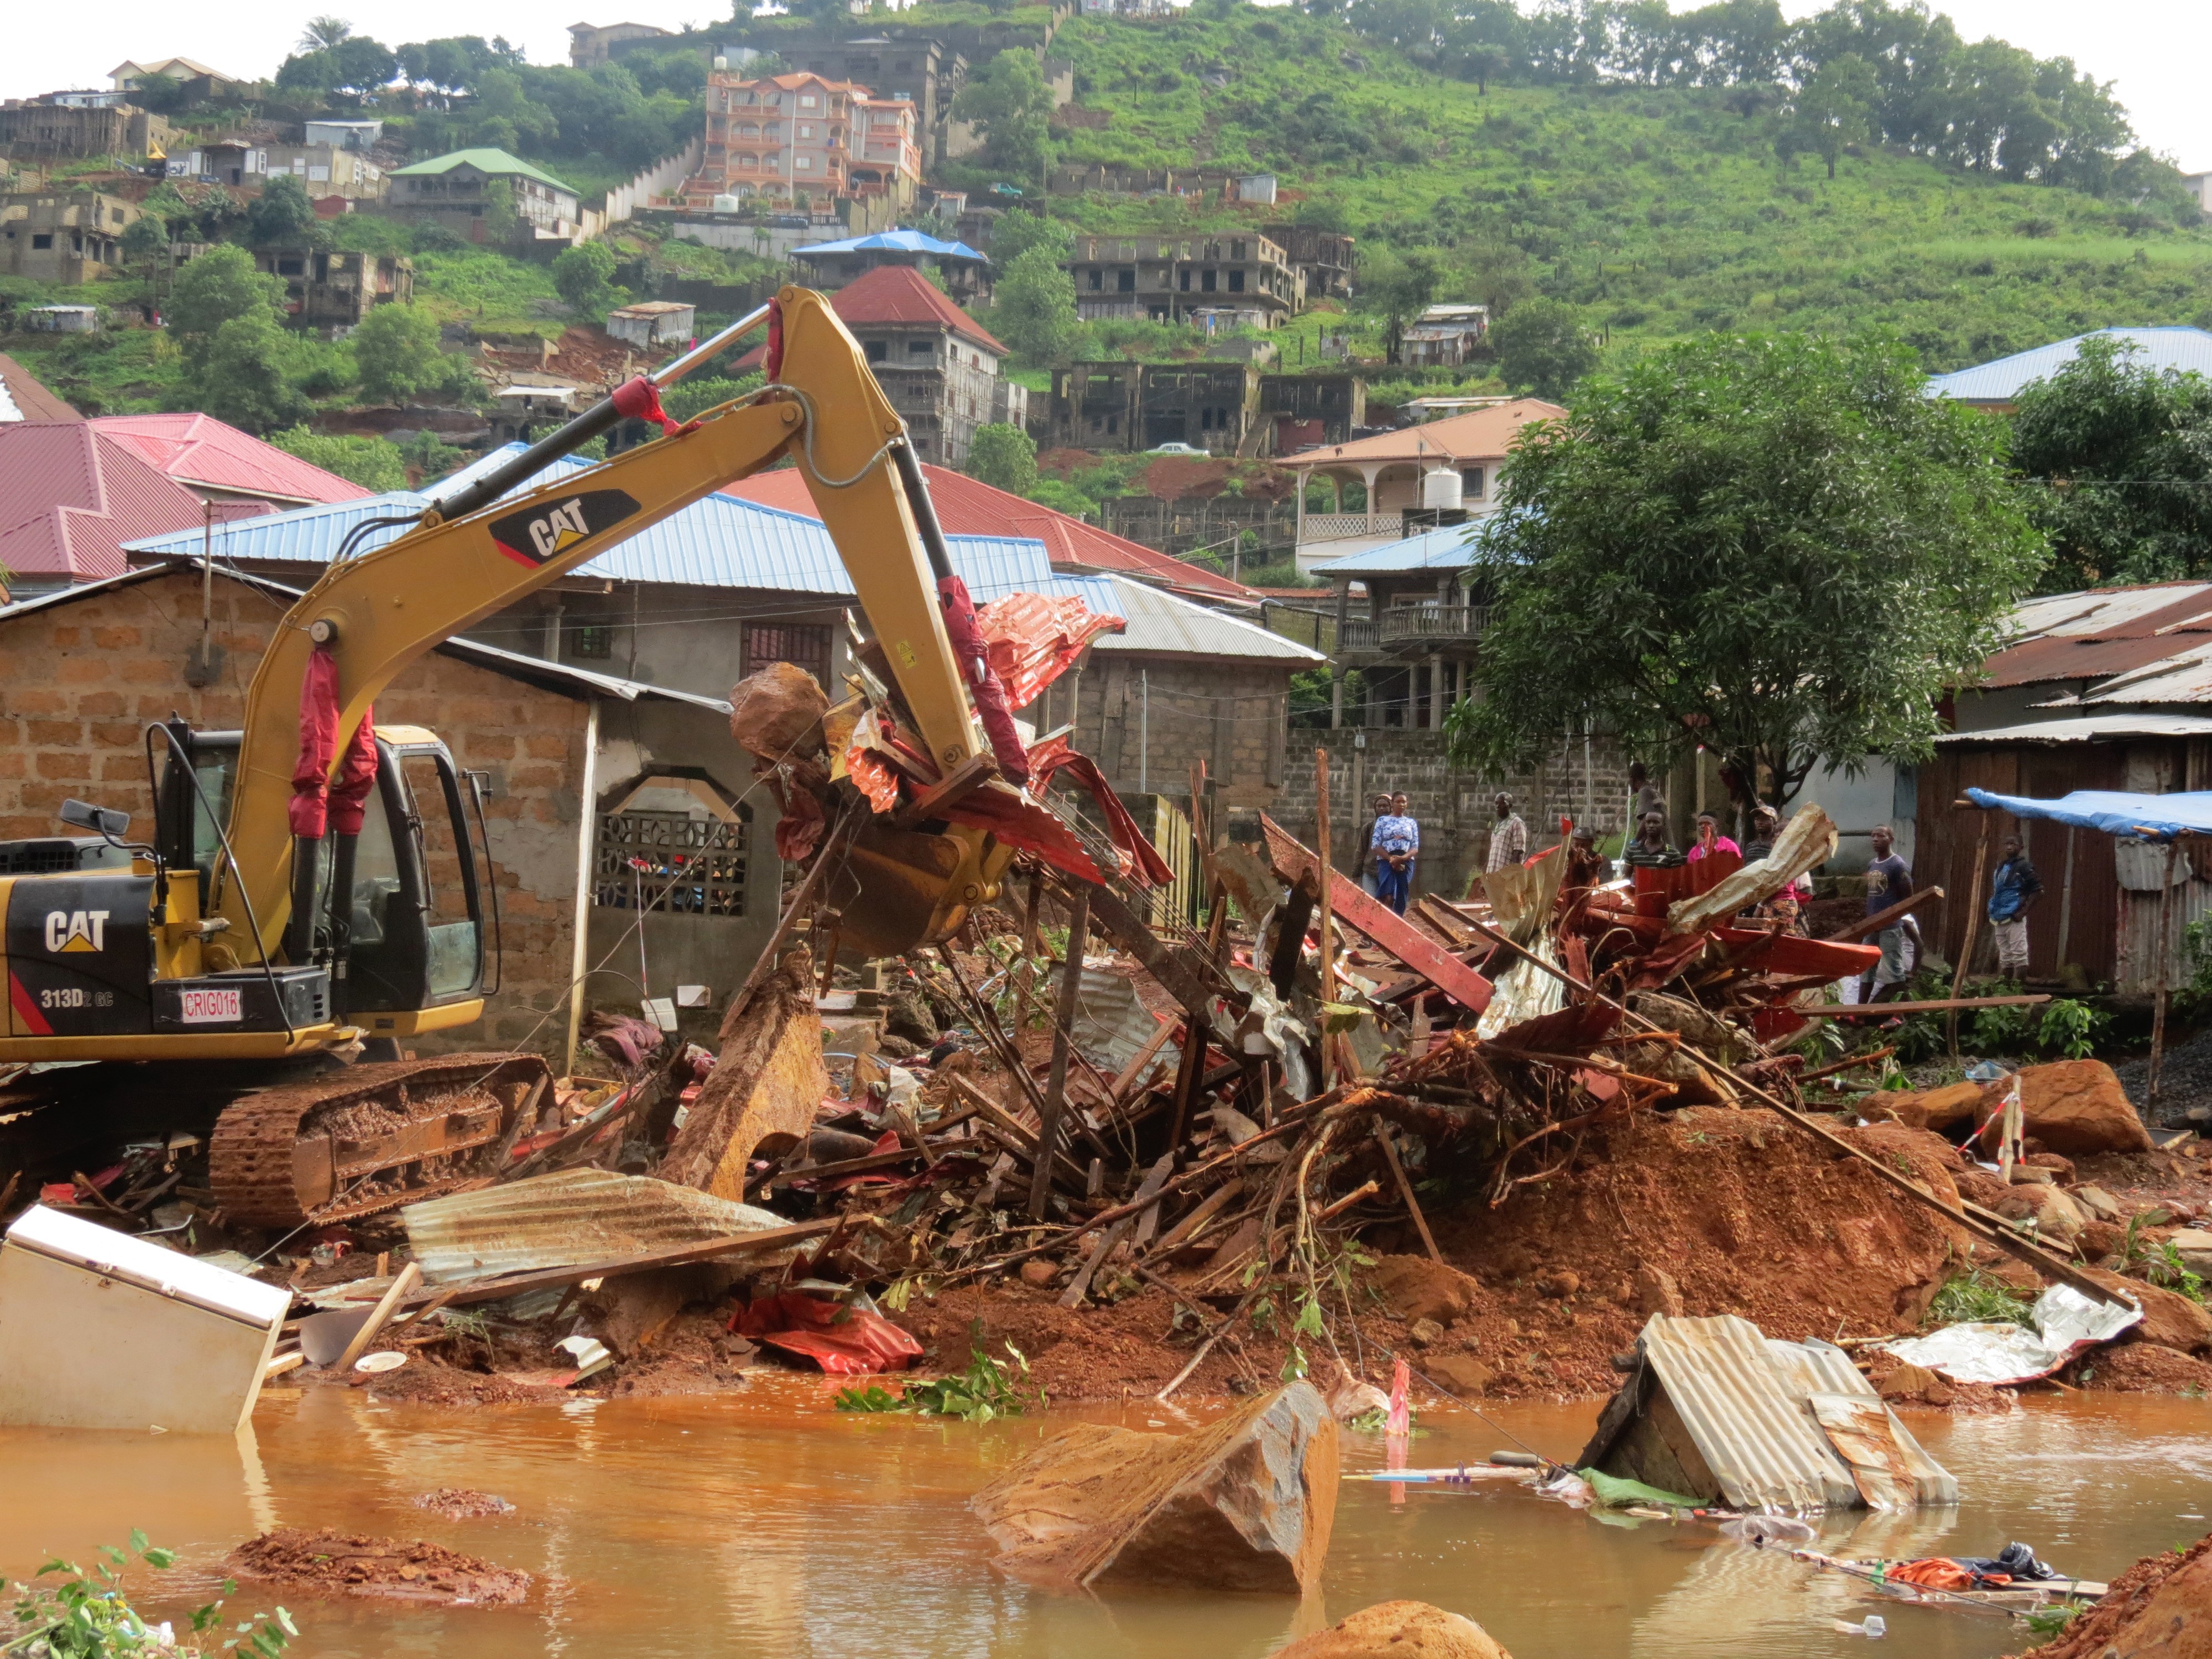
<point x="475" y="554"/>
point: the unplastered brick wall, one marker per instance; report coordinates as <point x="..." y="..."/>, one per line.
<point x="1453" y="805"/>
<point x="79" y="680"/>
<point x="1146" y="719"/>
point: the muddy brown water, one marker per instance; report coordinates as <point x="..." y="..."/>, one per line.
<point x="765" y="1523"/>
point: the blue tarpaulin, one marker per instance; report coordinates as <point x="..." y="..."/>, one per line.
<point x="2116" y="812"/>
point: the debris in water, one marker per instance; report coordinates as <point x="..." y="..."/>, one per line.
<point x="354" y="1563"/>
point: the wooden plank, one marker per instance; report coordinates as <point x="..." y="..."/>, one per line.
<point x="1374" y="918"/>
<point x="1054" y="1104"/>
<point x="1881" y="918"/>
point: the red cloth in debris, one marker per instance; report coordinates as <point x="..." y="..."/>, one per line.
<point x="1032" y="641"/>
<point x="982" y="683"/>
<point x="1938" y="1572"/>
<point x="799" y="830"/>
<point x="844" y="1341"/>
<point x="1054" y="756"/>
<point x="318" y="805"/>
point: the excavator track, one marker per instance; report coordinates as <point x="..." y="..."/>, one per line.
<point x="353" y="1142"/>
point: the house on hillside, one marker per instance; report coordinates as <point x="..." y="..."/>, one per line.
<point x="328" y="169"/>
<point x="453" y="191"/>
<point x="1325" y="260"/>
<point x="196" y="80"/>
<point x="1445" y="467"/>
<point x="789" y="138"/>
<point x="241" y="163"/>
<point x="1996" y="387"/>
<point x="829" y="266"/>
<point x="1304" y="411"/>
<point x="1445" y="336"/>
<point x="46" y="132"/>
<point x="1240" y="279"/>
<point x="1116" y="405"/>
<point x="62" y="236"/>
<point x="654" y="323"/>
<point x="939" y="365"/>
<point x="354" y="135"/>
<point x="588" y="43"/>
<point x="922" y="71"/>
<point x="337" y="290"/>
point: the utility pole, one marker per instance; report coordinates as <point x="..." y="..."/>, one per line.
<point x="1144" y="730"/>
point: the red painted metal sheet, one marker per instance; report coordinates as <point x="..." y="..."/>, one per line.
<point x="1379" y="922"/>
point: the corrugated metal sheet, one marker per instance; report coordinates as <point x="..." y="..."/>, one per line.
<point x="195" y="448"/>
<point x="568" y="1219"/>
<point x="2002" y="381"/>
<point x="306" y="535"/>
<point x="2183" y="679"/>
<point x="1749" y="1424"/>
<point x="1432" y="550"/>
<point x="2104" y="728"/>
<point x="1890" y="1468"/>
<point x="1160" y="624"/>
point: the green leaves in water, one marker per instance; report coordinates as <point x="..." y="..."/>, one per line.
<point x="86" y="1615"/>
<point x="985" y="1390"/>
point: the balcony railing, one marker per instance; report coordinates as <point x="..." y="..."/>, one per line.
<point x="1342" y="526"/>
<point x="1356" y="634"/>
<point x="1438" y="622"/>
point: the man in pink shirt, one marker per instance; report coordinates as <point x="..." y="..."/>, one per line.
<point x="1710" y="839"/>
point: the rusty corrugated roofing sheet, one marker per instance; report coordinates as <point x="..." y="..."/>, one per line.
<point x="1751" y="1429"/>
<point x="567" y="1220"/>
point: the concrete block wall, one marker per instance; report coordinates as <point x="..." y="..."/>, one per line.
<point x="1146" y="720"/>
<point x="1453" y="805"/>
<point x="80" y="681"/>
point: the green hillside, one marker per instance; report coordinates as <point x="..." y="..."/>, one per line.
<point x="1660" y="210"/>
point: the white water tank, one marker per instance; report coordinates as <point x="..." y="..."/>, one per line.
<point x="1441" y="487"/>
<point x="726" y="204"/>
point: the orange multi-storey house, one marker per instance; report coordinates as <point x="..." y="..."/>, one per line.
<point x="784" y="136"/>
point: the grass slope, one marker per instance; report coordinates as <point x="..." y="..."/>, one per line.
<point x="1661" y="212"/>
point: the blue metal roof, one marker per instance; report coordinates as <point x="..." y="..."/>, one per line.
<point x="719" y="541"/>
<point x="893" y="242"/>
<point x="2001" y="382"/>
<point x="1446" y="549"/>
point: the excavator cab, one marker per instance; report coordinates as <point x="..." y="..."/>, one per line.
<point x="414" y="949"/>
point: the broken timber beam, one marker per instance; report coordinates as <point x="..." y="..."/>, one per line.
<point x="1184" y="973"/>
<point x="1380" y="923"/>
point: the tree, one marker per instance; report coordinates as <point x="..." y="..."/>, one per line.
<point x="1019" y="230"/>
<point x="241" y="377"/>
<point x="321" y="33"/>
<point x="396" y="348"/>
<point x="1834" y="109"/>
<point x="1402" y="286"/>
<point x="372" y="463"/>
<point x="1033" y="307"/>
<point x="1011" y="106"/>
<point x="161" y="94"/>
<point x="218" y="287"/>
<point x="1542" y="347"/>
<point x="282" y="215"/>
<point x="146" y="244"/>
<point x="1004" y="457"/>
<point x="584" y="277"/>
<point x="2121" y="458"/>
<point x="1777" y="548"/>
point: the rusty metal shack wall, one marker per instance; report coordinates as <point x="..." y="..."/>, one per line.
<point x="2113" y="931"/>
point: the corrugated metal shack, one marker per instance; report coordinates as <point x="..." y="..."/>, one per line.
<point x="2106" y="689"/>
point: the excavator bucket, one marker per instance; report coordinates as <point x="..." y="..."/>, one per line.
<point x="903" y="888"/>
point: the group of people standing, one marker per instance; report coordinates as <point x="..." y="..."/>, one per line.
<point x="1389" y="846"/>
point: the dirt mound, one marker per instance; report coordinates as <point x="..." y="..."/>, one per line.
<point x="353" y="1563"/>
<point x="2163" y="1605"/>
<point x="2143" y="1367"/>
<point x="458" y="1504"/>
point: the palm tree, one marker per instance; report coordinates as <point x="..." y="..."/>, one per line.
<point x="324" y="32"/>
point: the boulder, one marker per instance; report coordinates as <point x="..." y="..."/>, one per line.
<point x="1558" y="1284"/>
<point x="1418" y="1288"/>
<point x="1656" y="1292"/>
<point x="2170" y="1319"/>
<point x="2077" y="1106"/>
<point x="1915" y="1384"/>
<point x="2098" y="1202"/>
<point x="768" y="1080"/>
<point x="1355" y="1399"/>
<point x="2100" y="1239"/>
<point x="1245" y="1503"/>
<point x="2058" y="1219"/>
<point x="777" y="712"/>
<point x="1398" y="1630"/>
<point x="1950" y="1107"/>
<point x="1425" y="1333"/>
<point x="909" y="1015"/>
<point x="1463" y="1374"/>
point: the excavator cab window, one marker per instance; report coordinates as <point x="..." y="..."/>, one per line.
<point x="192" y="821"/>
<point x="417" y="924"/>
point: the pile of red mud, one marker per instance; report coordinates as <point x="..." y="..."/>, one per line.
<point x="2161" y="1605"/>
<point x="459" y="1503"/>
<point x="1705" y="1210"/>
<point x="353" y="1563"/>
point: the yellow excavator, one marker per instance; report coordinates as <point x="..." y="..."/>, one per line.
<point x="313" y="892"/>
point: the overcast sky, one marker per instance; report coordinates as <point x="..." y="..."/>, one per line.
<point x="2158" y="51"/>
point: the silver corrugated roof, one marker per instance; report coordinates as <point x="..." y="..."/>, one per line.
<point x="2105" y="728"/>
<point x="1751" y="1429"/>
<point x="569" y="1219"/>
<point x="1446" y="548"/>
<point x="2183" y="349"/>
<point x="1160" y="624"/>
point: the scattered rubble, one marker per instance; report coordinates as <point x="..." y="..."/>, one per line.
<point x="335" y="1563"/>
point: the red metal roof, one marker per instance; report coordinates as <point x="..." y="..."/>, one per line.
<point x="70" y="495"/>
<point x="31" y="401"/>
<point x="200" y="450"/>
<point x="967" y="507"/>
<point x="2103" y="631"/>
<point x="896" y="296"/>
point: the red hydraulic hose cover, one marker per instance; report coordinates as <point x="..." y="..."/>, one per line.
<point x="975" y="668"/>
<point x="318" y="741"/>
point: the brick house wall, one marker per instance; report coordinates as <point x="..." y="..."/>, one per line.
<point x="79" y="681"/>
<point x="1228" y="714"/>
<point x="1452" y="805"/>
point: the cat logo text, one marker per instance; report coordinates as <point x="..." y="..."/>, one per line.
<point x="75" y="930"/>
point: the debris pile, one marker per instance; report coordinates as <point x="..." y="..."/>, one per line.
<point x="337" y="1563"/>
